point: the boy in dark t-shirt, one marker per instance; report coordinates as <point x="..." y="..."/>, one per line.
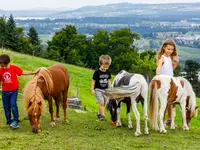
<point x="100" y="82"/>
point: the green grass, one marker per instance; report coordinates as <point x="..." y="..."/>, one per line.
<point x="84" y="131"/>
<point x="45" y="37"/>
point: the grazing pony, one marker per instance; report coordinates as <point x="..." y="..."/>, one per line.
<point x="170" y="90"/>
<point x="127" y="87"/>
<point x="51" y="82"/>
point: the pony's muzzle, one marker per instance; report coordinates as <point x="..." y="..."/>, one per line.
<point x="36" y="130"/>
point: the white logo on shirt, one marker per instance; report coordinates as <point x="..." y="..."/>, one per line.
<point x="7" y="77"/>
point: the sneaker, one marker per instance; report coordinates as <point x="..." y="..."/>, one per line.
<point x="98" y="115"/>
<point x="14" y="125"/>
<point x="102" y="117"/>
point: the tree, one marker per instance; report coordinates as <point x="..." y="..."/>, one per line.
<point x="100" y="46"/>
<point x="33" y="36"/>
<point x="3" y="31"/>
<point x="60" y="41"/>
<point x="12" y="36"/>
<point x="191" y="69"/>
<point x="146" y="64"/>
<point x="121" y="51"/>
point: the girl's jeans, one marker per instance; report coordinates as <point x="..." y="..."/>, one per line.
<point x="10" y="103"/>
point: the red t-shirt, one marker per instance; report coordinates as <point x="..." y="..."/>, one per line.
<point x="9" y="78"/>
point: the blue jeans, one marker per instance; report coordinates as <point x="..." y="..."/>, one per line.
<point x="10" y="103"/>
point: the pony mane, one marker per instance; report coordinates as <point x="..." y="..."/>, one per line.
<point x="119" y="76"/>
<point x="46" y="75"/>
<point x="123" y="91"/>
<point x="33" y="95"/>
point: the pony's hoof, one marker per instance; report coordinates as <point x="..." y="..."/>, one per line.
<point x="157" y="129"/>
<point x="146" y="132"/>
<point x="186" y="128"/>
<point x="130" y="127"/>
<point x="174" y="127"/>
<point x="118" y="124"/>
<point x="66" y="121"/>
<point x="52" y="124"/>
<point x="137" y="133"/>
<point x="163" y="131"/>
<point x="57" y="119"/>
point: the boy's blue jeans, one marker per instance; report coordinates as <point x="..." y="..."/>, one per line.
<point x="10" y="103"/>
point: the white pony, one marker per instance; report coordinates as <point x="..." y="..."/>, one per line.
<point x="170" y="90"/>
<point x="128" y="87"/>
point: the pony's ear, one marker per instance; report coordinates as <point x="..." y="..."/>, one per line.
<point x="29" y="104"/>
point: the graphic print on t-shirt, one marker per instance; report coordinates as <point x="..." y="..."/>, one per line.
<point x="103" y="80"/>
<point x="7" y="77"/>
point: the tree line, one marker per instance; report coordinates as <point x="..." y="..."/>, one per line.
<point x="69" y="46"/>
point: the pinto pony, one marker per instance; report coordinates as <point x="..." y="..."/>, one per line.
<point x="170" y="90"/>
<point x="127" y="87"/>
<point x="51" y="82"/>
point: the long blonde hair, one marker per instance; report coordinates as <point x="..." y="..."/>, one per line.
<point x="161" y="50"/>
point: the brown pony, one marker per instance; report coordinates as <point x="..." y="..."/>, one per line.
<point x="51" y="82"/>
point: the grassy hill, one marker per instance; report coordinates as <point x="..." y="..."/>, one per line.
<point x="84" y="131"/>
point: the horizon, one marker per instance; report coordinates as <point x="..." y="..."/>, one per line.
<point x="73" y="5"/>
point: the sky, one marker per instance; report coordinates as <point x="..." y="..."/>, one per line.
<point x="32" y="4"/>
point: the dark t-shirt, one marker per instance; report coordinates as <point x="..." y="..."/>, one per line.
<point x="101" y="79"/>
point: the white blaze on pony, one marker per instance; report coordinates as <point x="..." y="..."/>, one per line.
<point x="173" y="91"/>
<point x="128" y="87"/>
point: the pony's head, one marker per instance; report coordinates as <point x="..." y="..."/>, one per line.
<point x="112" y="107"/>
<point x="190" y="112"/>
<point x="191" y="108"/>
<point x="114" y="104"/>
<point x="34" y="103"/>
<point x="34" y="115"/>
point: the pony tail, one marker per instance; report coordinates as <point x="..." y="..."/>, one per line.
<point x="153" y="107"/>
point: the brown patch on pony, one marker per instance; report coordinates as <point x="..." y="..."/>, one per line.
<point x="156" y="83"/>
<point x="182" y="83"/>
<point x="187" y="102"/>
<point x="172" y="92"/>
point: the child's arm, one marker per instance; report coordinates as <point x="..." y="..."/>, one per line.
<point x="30" y="73"/>
<point x="160" y="63"/>
<point x="92" y="86"/>
<point x="175" y="61"/>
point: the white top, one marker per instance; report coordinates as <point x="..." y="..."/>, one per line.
<point x="167" y="68"/>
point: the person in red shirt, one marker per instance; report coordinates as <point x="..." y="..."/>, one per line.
<point x="10" y="86"/>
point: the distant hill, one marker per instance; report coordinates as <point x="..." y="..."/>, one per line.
<point x="36" y="12"/>
<point x="129" y="9"/>
<point x="111" y="10"/>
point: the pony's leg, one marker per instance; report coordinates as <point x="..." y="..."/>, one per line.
<point x="146" y="130"/>
<point x="65" y="94"/>
<point x="130" y="126"/>
<point x="162" y="111"/>
<point x="51" y="110"/>
<point x="119" y="124"/>
<point x="58" y="101"/>
<point x="173" y="126"/>
<point x="183" y="105"/>
<point x="137" y="116"/>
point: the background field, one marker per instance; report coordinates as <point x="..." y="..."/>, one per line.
<point x="84" y="130"/>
